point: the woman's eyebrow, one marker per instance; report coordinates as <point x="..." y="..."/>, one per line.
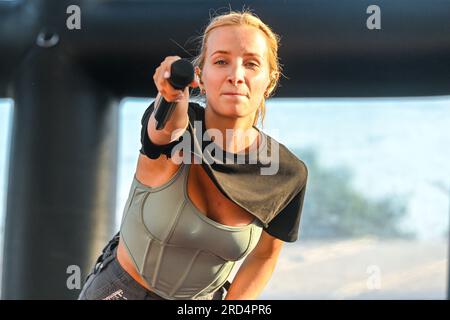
<point x="245" y="54"/>
<point x="253" y="55"/>
<point x="220" y="51"/>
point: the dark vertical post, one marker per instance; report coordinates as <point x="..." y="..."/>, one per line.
<point x="62" y="178"/>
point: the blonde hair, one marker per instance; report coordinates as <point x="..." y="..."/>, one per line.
<point x="246" y="18"/>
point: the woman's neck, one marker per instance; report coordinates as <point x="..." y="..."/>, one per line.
<point x="238" y="134"/>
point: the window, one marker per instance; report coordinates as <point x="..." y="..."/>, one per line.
<point x="6" y="111"/>
<point x="375" y="220"/>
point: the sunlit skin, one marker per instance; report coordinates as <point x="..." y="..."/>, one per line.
<point x="235" y="77"/>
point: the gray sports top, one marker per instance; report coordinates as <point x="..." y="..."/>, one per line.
<point x="179" y="252"/>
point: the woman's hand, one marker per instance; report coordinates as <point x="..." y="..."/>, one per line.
<point x="165" y="89"/>
<point x="178" y="121"/>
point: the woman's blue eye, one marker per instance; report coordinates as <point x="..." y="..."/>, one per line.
<point x="253" y="65"/>
<point x="250" y="64"/>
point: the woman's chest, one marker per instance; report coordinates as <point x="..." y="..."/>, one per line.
<point x="188" y="211"/>
<point x="200" y="190"/>
<point x="210" y="201"/>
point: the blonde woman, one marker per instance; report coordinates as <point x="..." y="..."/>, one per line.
<point x="194" y="212"/>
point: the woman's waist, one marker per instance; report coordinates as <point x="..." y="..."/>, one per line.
<point x="127" y="264"/>
<point x="203" y="272"/>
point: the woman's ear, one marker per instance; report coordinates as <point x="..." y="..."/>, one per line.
<point x="198" y="73"/>
<point x="274" y="75"/>
<point x="196" y="83"/>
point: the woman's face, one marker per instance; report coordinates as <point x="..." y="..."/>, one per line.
<point x="235" y="74"/>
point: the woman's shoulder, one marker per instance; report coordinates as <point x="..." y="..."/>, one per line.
<point x="290" y="163"/>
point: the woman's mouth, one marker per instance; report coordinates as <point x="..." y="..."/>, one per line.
<point x="234" y="94"/>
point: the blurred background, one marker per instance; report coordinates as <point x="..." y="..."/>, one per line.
<point x="368" y="111"/>
<point x="378" y="198"/>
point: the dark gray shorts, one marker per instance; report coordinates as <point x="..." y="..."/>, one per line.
<point x="109" y="281"/>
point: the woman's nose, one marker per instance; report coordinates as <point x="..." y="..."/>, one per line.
<point x="236" y="75"/>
